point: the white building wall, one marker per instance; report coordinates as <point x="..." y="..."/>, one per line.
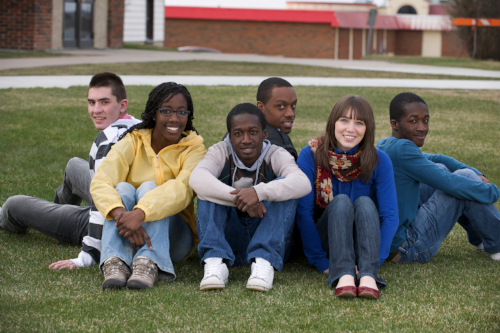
<point x="134" y="21"/>
<point x="159" y="22"/>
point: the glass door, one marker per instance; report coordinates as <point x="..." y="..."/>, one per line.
<point x="78" y="23"/>
<point x="86" y="35"/>
<point x="69" y="23"/>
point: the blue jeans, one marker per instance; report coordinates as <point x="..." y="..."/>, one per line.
<point x="437" y="216"/>
<point x="350" y="234"/>
<point x="162" y="253"/>
<point x="245" y="238"/>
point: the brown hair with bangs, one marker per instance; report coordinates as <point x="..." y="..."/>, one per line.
<point x="361" y="110"/>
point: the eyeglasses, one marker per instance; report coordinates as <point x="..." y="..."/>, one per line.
<point x="180" y="113"/>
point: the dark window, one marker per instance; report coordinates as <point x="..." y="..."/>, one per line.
<point x="149" y="20"/>
<point x="407" y="10"/>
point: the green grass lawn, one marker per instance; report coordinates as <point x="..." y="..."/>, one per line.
<point x="31" y="54"/>
<point x="41" y="129"/>
<point x="219" y="68"/>
<point x="150" y="47"/>
<point x="447" y="62"/>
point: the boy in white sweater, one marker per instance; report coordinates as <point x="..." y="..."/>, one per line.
<point x="251" y="185"/>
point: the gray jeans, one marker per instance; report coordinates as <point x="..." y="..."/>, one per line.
<point x="64" y="219"/>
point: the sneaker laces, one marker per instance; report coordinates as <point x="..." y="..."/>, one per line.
<point x="260" y="272"/>
<point x="144" y="268"/>
<point x="213" y="270"/>
<point x="113" y="267"/>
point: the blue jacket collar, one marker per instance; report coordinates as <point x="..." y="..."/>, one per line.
<point x="349" y="152"/>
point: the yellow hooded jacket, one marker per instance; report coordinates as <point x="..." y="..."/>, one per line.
<point x="134" y="161"/>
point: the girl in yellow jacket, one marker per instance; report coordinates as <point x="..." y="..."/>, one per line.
<point x="142" y="189"/>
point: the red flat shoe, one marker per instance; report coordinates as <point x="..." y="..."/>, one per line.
<point x="347" y="291"/>
<point x="366" y="292"/>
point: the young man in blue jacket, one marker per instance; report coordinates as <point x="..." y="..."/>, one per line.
<point x="434" y="191"/>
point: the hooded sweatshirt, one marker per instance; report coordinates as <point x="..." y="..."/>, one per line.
<point x="134" y="161"/>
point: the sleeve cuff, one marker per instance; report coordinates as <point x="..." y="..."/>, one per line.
<point x="260" y="196"/>
<point x="145" y="209"/>
<point x="110" y="208"/>
<point x="84" y="260"/>
<point x="323" y="265"/>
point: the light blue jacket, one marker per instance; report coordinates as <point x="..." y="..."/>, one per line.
<point x="412" y="167"/>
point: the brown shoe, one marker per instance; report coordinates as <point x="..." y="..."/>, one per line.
<point x="144" y="274"/>
<point x="116" y="273"/>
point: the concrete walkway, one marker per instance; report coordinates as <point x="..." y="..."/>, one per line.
<point x="65" y="81"/>
<point x="128" y="55"/>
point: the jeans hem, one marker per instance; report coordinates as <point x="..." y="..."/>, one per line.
<point x="120" y="256"/>
<point x="331" y="281"/>
<point x="213" y="254"/>
<point x="380" y="282"/>
<point x="276" y="263"/>
<point x="166" y="270"/>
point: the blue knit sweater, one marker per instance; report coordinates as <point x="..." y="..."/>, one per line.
<point x="412" y="167"/>
<point x="380" y="188"/>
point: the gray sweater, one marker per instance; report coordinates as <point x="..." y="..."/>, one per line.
<point x="204" y="178"/>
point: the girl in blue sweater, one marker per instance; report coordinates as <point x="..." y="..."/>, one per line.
<point x="348" y="220"/>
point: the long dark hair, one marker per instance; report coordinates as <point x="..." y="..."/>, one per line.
<point x="361" y="110"/>
<point x="163" y="93"/>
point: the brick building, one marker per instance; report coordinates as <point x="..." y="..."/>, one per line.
<point x="311" y="30"/>
<point x="54" y="24"/>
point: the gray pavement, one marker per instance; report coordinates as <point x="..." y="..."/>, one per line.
<point x="65" y="81"/>
<point x="127" y="55"/>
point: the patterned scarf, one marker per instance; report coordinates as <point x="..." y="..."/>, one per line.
<point x="345" y="167"/>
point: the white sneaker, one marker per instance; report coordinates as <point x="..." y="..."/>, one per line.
<point x="216" y="274"/>
<point x="480" y="248"/>
<point x="262" y="275"/>
<point x="495" y="256"/>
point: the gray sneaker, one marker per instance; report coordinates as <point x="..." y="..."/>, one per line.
<point x="144" y="274"/>
<point x="116" y="273"/>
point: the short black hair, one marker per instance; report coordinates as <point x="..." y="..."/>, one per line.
<point x="107" y="79"/>
<point x="161" y="94"/>
<point x="246" y="108"/>
<point x="266" y="87"/>
<point x="398" y="104"/>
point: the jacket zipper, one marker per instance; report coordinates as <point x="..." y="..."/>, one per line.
<point x="158" y="178"/>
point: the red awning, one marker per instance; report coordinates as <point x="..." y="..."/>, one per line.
<point x="358" y="20"/>
<point x="338" y="19"/>
<point x="237" y="14"/>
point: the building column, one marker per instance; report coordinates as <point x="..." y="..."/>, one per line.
<point x="337" y="36"/>
<point x="431" y="44"/>
<point x="363" y="43"/>
<point x="57" y="24"/>
<point x="351" y="42"/>
<point x="101" y="24"/>
<point x="385" y="42"/>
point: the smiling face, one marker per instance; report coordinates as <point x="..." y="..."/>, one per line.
<point x="349" y="131"/>
<point x="104" y="109"/>
<point x="413" y="125"/>
<point x="247" y="136"/>
<point x="280" y="109"/>
<point x="168" y="129"/>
